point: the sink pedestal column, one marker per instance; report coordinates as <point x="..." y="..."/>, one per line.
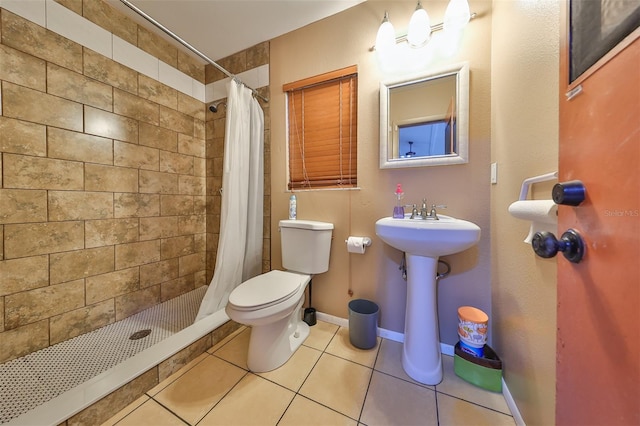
<point x="421" y="358"/>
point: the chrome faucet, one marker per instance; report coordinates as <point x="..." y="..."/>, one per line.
<point x="433" y="214"/>
<point x="414" y="212"/>
<point x="423" y="210"/>
<point x="424" y="213"/>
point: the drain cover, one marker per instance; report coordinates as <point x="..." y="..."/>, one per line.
<point x="140" y="334"/>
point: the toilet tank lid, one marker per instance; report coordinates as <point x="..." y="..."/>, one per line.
<point x="305" y="224"/>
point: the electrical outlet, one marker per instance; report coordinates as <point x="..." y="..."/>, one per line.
<point x="494" y="173"/>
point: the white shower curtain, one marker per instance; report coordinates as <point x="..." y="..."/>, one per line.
<point x="240" y="243"/>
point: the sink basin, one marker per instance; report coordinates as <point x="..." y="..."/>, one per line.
<point x="423" y="241"/>
<point x="430" y="238"/>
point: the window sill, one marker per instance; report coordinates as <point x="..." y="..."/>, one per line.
<point x="357" y="188"/>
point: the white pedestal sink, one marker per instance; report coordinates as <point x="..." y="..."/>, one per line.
<point x="423" y="241"/>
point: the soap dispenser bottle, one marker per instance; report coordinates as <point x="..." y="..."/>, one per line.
<point x="398" y="210"/>
<point x="293" y="207"/>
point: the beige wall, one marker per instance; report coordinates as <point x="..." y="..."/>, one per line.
<point x="344" y="40"/>
<point x="524" y="134"/>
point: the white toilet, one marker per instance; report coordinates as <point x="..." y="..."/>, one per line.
<point x="271" y="303"/>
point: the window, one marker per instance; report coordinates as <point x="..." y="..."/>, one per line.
<point x="424" y="139"/>
<point x="322" y="130"/>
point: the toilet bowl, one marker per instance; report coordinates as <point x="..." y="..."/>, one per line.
<point x="271" y="303"/>
<point x="276" y="330"/>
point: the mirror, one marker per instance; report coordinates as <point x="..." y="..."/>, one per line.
<point x="424" y="119"/>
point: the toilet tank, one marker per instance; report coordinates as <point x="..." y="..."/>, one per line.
<point x="305" y="245"/>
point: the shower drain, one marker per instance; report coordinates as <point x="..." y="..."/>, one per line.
<point x="140" y="334"/>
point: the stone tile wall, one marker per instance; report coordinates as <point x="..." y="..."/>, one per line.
<point x="109" y="199"/>
<point x="103" y="184"/>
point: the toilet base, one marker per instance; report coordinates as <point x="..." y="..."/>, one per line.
<point x="271" y="345"/>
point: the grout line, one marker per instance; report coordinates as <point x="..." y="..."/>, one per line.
<point x="288" y="406"/>
<point x="309" y="373"/>
<point x="247" y="373"/>
<point x="437" y="409"/>
<point x="166" y="408"/>
<point x="324" y="351"/>
<point x="422" y="385"/>
<point x="329" y="408"/>
<point x="473" y="403"/>
<point x="373" y="370"/>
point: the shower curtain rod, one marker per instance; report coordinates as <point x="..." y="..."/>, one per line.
<point x="190" y="47"/>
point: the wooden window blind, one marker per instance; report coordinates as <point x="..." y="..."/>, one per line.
<point x="322" y="119"/>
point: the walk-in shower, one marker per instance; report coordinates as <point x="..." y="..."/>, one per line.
<point x="54" y="384"/>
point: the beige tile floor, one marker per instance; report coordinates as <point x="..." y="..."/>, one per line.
<point x="326" y="382"/>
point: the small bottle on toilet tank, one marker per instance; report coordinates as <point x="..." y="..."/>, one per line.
<point x="293" y="208"/>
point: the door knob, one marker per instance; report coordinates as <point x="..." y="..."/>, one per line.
<point x="546" y="245"/>
<point x="570" y="193"/>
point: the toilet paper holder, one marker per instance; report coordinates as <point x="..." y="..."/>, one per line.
<point x="524" y="189"/>
<point x="541" y="213"/>
<point x="366" y="241"/>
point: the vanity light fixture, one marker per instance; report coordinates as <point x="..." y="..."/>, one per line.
<point x="457" y="15"/>
<point x="386" y="37"/>
<point x="418" y="35"/>
<point x="419" y="31"/>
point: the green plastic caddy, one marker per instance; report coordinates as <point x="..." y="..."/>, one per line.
<point x="484" y="372"/>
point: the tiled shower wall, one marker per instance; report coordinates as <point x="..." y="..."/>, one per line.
<point x="105" y="186"/>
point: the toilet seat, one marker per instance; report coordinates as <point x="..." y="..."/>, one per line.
<point x="266" y="290"/>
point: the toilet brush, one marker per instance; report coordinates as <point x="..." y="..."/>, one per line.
<point x="310" y="313"/>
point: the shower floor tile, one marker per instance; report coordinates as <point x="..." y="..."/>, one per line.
<point x="33" y="379"/>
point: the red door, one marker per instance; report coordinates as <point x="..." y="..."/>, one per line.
<point x="598" y="350"/>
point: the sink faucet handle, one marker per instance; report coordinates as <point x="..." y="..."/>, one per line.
<point x="433" y="213"/>
<point x="414" y="212"/>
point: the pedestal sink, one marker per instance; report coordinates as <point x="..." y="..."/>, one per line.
<point x="423" y="241"/>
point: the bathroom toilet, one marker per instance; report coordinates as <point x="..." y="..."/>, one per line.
<point x="271" y="303"/>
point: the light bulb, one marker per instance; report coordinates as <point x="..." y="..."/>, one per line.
<point x="457" y="15"/>
<point x="419" y="27"/>
<point x="386" y="37"/>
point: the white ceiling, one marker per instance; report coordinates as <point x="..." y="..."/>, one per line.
<point x="219" y="28"/>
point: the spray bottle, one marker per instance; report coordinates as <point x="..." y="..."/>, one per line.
<point x="398" y="210"/>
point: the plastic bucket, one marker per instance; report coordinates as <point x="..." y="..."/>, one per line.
<point x="472" y="329"/>
<point x="363" y="323"/>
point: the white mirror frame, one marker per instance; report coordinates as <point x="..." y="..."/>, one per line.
<point x="462" y="99"/>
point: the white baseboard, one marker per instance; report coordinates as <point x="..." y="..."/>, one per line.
<point x="511" y="403"/>
<point x="445" y="349"/>
<point x="342" y="322"/>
